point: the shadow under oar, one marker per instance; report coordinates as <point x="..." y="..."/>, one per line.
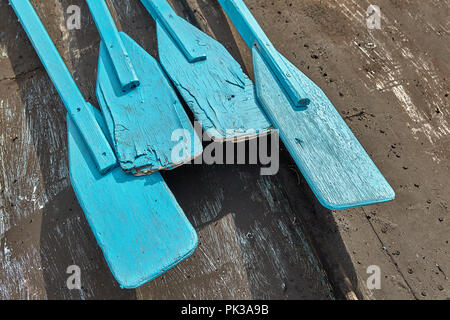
<point x="67" y="240"/>
<point x="296" y="206"/>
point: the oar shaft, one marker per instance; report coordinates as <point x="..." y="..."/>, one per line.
<point x="244" y="22"/>
<point x="109" y="33"/>
<point x="52" y="61"/>
<point x="254" y="36"/>
<point x="163" y="13"/>
<point x="65" y="85"/>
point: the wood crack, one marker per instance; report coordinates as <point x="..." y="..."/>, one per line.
<point x="20" y="75"/>
<point x="395" y="264"/>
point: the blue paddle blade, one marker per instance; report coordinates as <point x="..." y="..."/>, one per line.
<point x="333" y="162"/>
<point x="150" y="129"/>
<point x="137" y="222"/>
<point x="218" y="92"/>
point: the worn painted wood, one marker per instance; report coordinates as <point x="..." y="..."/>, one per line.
<point x="254" y="36"/>
<point x="33" y="152"/>
<point x="121" y="62"/>
<point x="220" y="271"/>
<point x="218" y="92"/>
<point x="76" y="106"/>
<point x="275" y="268"/>
<point x="333" y="162"/>
<point x="137" y="222"/>
<point x="143" y="121"/>
<point x="164" y="14"/>
<point x="149" y="127"/>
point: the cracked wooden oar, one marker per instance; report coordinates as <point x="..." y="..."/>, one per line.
<point x="139" y="104"/>
<point x="137" y="222"/>
<point x="212" y="83"/>
<point x="333" y="162"/>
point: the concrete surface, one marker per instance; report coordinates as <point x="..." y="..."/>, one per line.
<point x="260" y="237"/>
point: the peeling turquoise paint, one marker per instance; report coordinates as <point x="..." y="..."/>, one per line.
<point x="219" y="93"/>
<point x="142" y="118"/>
<point x="137" y="221"/>
<point x="77" y="107"/>
<point x="333" y="162"/>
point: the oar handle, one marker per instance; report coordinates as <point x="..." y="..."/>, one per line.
<point x="109" y="33"/>
<point x="163" y="13"/>
<point x="254" y="36"/>
<point x="77" y="107"/>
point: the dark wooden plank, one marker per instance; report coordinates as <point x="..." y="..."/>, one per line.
<point x="252" y="241"/>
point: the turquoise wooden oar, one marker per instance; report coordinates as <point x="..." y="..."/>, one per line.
<point x="137" y="222"/>
<point x="212" y="83"/>
<point x="140" y="105"/>
<point x="333" y="162"/>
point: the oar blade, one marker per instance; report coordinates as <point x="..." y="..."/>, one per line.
<point x="149" y="127"/>
<point x="137" y="222"/>
<point x="218" y="92"/>
<point x="335" y="165"/>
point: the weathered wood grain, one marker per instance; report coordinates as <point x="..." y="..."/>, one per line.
<point x="219" y="94"/>
<point x="77" y="107"/>
<point x="276" y="256"/>
<point x="122" y="65"/>
<point x="390" y="85"/>
<point x="137" y="248"/>
<point x="143" y="120"/>
<point x="32" y="155"/>
<point x="208" y="274"/>
<point x="137" y="222"/>
<point x="333" y="162"/>
<point x="331" y="159"/>
<point x="150" y="129"/>
<point x="60" y="233"/>
<point x="162" y="12"/>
